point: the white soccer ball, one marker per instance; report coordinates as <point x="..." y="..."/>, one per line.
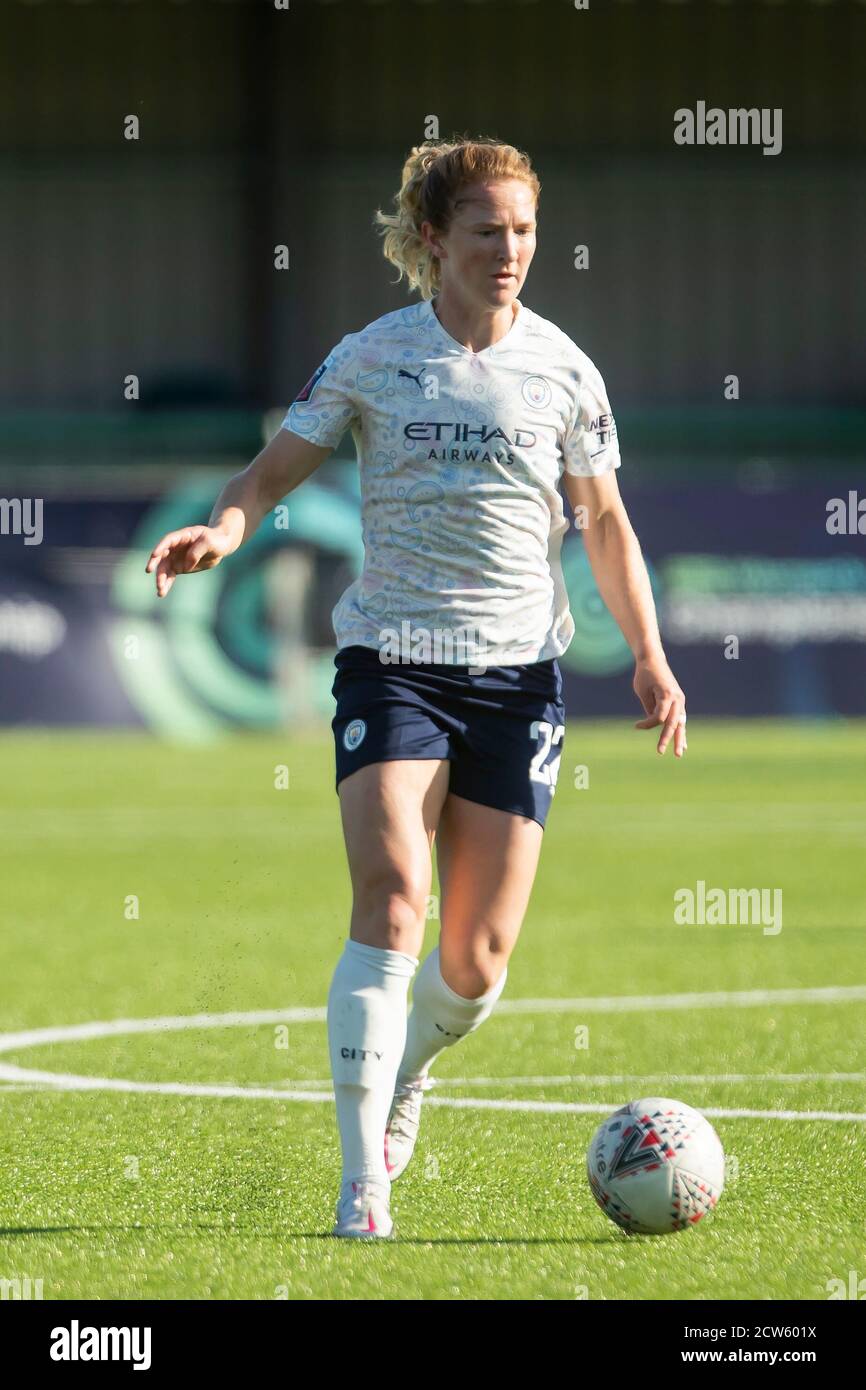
<point x="656" y="1166"/>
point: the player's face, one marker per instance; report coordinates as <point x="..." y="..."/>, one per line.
<point x="492" y="230"/>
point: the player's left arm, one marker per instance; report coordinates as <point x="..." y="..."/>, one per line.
<point x="621" y="575"/>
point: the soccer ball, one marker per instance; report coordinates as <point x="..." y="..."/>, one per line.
<point x="656" y="1166"/>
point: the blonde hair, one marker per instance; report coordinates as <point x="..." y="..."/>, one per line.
<point x="433" y="176"/>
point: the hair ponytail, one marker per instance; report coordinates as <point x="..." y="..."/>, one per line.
<point x="433" y="176"/>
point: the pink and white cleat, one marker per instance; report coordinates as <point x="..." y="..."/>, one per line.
<point x="364" y="1213"/>
<point x="401" y="1130"/>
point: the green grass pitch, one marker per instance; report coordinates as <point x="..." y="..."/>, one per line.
<point x="242" y="905"/>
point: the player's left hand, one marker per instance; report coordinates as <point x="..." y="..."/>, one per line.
<point x="656" y="687"/>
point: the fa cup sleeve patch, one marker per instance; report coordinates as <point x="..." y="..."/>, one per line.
<point x="305" y="393"/>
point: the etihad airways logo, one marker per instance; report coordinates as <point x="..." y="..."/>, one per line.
<point x="447" y="433"/>
<point x="464" y="434"/>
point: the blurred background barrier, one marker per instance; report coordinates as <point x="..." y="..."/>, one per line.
<point x="189" y="192"/>
<point x="762" y="608"/>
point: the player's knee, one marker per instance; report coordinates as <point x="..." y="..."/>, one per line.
<point x="481" y="967"/>
<point x="391" y="907"/>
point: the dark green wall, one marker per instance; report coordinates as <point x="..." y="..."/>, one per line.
<point x="260" y="127"/>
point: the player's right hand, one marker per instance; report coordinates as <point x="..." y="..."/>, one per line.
<point x="186" y="552"/>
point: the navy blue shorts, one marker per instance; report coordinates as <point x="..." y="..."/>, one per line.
<point x="501" y="731"/>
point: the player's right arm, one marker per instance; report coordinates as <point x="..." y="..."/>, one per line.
<point x="281" y="466"/>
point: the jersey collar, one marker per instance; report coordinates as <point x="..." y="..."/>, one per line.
<point x="513" y="332"/>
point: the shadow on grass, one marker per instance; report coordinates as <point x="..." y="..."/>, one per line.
<point x="234" y="1230"/>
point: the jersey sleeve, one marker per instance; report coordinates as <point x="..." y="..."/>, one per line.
<point x="590" y="446"/>
<point x="324" y="409"/>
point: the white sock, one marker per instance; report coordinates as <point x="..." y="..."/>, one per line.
<point x="440" y="1018"/>
<point x="366" y="1037"/>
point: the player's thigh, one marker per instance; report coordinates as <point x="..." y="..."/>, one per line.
<point x="487" y="860"/>
<point x="390" y="812"/>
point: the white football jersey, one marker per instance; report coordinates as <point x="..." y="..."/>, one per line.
<point x="460" y="454"/>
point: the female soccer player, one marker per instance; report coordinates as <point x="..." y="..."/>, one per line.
<point x="467" y="408"/>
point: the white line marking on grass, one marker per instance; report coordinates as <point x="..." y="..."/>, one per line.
<point x="613" y="1079"/>
<point x="21" y="1077"/>
<point x="118" y="1027"/>
<point x="83" y="1032"/>
<point x="69" y="1082"/>
<point x="62" y="1082"/>
<point x="555" y="1107"/>
<point x="620" y="1079"/>
<point x="741" y="999"/>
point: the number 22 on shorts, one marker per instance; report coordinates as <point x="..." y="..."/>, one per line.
<point x="539" y="771"/>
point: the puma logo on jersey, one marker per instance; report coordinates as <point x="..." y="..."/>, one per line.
<point x="412" y="377"/>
